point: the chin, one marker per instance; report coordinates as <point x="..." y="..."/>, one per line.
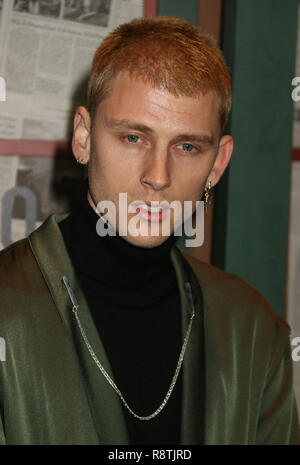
<point x="147" y="242"/>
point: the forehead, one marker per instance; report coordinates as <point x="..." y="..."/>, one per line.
<point x="131" y="98"/>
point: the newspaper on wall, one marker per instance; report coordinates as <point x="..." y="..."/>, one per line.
<point x="31" y="189"/>
<point x="46" y="50"/>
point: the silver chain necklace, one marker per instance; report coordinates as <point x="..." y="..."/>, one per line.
<point x="75" y="308"/>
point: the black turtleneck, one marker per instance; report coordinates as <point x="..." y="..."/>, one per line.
<point x="134" y="299"/>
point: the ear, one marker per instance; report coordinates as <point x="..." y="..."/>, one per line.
<point x="81" y="142"/>
<point x="222" y="159"/>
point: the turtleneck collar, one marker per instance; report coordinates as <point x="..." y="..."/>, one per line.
<point x="126" y="275"/>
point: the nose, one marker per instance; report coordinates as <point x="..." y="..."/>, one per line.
<point x="156" y="172"/>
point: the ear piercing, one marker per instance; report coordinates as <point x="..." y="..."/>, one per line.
<point x="206" y="196"/>
<point x="81" y="161"/>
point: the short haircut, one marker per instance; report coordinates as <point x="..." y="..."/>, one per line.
<point x="165" y="52"/>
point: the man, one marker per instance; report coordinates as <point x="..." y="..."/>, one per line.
<point x="122" y="338"/>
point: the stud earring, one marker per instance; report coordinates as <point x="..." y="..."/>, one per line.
<point x="80" y="161"/>
<point x="206" y="196"/>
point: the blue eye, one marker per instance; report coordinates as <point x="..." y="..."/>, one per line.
<point x="188" y="147"/>
<point x="132" y="138"/>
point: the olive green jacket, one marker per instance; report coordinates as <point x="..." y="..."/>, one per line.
<point x="237" y="370"/>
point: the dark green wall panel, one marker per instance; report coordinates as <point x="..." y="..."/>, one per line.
<point x="183" y="9"/>
<point x="251" y="223"/>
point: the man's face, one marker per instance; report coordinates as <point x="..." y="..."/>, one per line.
<point x="154" y="147"/>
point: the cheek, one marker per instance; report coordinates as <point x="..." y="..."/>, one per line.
<point x="108" y="157"/>
<point x="190" y="184"/>
<point x="109" y="175"/>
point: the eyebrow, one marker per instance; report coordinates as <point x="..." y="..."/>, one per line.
<point x="116" y="124"/>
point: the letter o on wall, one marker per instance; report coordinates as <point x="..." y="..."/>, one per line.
<point x="7" y="207"/>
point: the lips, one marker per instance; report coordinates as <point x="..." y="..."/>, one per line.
<point x="153" y="211"/>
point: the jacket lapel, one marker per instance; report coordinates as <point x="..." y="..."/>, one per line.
<point x="49" y="249"/>
<point x="193" y="414"/>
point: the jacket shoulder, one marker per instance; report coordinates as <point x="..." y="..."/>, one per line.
<point x="236" y="311"/>
<point x="16" y="263"/>
<point x="228" y="292"/>
<point x="21" y="281"/>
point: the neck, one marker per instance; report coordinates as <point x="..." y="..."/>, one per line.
<point x="123" y="271"/>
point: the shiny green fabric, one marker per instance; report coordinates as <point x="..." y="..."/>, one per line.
<point x="237" y="371"/>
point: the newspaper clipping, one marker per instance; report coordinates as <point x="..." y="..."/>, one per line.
<point x="46" y="50"/>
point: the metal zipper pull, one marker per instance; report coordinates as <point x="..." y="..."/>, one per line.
<point x="188" y="289"/>
<point x="71" y="293"/>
